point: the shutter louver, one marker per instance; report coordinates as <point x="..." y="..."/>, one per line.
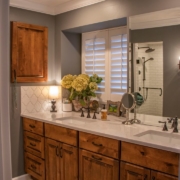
<point x="105" y="54"/>
<point x="118" y="79"/>
<point x="95" y="60"/>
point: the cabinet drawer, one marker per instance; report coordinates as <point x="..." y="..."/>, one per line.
<point x="98" y="144"/>
<point x="34" y="144"/>
<point x="161" y="176"/>
<point x="34" y="166"/>
<point x="58" y="133"/>
<point x="33" y="126"/>
<point x="156" y="159"/>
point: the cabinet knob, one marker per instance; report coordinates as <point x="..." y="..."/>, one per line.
<point x="153" y="178"/>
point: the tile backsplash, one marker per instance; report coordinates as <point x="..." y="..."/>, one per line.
<point x="36" y="99"/>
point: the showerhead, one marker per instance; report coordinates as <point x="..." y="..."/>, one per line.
<point x="149" y="50"/>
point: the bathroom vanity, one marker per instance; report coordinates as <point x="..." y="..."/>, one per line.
<point x="72" y="148"/>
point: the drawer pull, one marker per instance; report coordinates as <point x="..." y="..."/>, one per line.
<point x="97" y="158"/>
<point x="32" y="126"/>
<point x="153" y="178"/>
<point x="96" y="144"/>
<point x="32" y="144"/>
<point x="34" y="167"/>
<point x="57" y="151"/>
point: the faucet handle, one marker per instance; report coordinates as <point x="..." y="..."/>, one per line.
<point x="175" y="122"/>
<point x="94" y="116"/>
<point x="165" y="126"/>
<point x="170" y="119"/>
<point x="82" y="112"/>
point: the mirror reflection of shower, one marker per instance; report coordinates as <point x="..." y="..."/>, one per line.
<point x="148" y="76"/>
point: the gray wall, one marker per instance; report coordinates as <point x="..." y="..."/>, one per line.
<point x="171" y="51"/>
<point x="5" y="150"/>
<point x="98" y="13"/>
<point x="16" y="122"/>
<point x="67" y="46"/>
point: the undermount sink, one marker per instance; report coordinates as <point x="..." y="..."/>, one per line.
<point x="157" y="136"/>
<point x="75" y="120"/>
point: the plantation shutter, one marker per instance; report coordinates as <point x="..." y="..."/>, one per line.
<point x="95" y="58"/>
<point x="118" y="63"/>
<point x="105" y="54"/>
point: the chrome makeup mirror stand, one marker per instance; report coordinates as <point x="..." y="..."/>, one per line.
<point x="135" y="120"/>
<point x="129" y="103"/>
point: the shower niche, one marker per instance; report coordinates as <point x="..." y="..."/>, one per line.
<point x="146" y="66"/>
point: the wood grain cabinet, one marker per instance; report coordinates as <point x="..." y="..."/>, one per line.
<point x="58" y="153"/>
<point x="93" y="166"/>
<point x="156" y="159"/>
<point x="29" y="52"/>
<point x="61" y="161"/>
<point x="155" y="175"/>
<point x="132" y="172"/>
<point x="34" y="148"/>
<point x="61" y="153"/>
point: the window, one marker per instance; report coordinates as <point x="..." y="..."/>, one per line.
<point x="105" y="53"/>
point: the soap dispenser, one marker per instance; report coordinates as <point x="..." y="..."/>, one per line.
<point x="104" y="113"/>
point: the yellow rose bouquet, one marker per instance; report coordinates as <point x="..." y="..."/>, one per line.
<point x="81" y="87"/>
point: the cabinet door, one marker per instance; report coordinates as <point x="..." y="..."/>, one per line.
<point x="97" y="167"/>
<point x="161" y="176"/>
<point x="29" y="52"/>
<point x="52" y="159"/>
<point x="69" y="162"/>
<point x="132" y="172"/>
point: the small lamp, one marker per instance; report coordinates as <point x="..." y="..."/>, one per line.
<point x="53" y="94"/>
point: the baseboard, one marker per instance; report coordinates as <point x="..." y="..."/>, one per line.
<point x="23" y="177"/>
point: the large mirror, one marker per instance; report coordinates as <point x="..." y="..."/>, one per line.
<point x="154" y="70"/>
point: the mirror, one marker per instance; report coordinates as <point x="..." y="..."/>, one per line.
<point x="129" y="103"/>
<point x="150" y="28"/>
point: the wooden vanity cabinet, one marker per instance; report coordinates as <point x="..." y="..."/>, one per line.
<point x="93" y="166"/>
<point x="155" y="175"/>
<point x="132" y="172"/>
<point x="57" y="153"/>
<point x="61" y="158"/>
<point x="34" y="148"/>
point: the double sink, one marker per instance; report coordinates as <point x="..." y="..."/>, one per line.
<point x="148" y="135"/>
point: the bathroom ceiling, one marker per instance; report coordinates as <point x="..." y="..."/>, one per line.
<point x="52" y="7"/>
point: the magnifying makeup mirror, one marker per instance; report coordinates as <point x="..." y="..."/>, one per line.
<point x="129" y="103"/>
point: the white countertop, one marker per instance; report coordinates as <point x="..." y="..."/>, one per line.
<point x="113" y="128"/>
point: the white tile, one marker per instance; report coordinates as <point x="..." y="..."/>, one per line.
<point x="33" y="99"/>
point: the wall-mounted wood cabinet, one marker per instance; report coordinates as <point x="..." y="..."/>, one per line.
<point x="29" y="52"/>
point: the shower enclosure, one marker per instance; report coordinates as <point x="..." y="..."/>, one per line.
<point x="147" y="76"/>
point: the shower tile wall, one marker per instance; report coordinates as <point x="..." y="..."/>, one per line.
<point x="154" y="77"/>
<point x="36" y="99"/>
